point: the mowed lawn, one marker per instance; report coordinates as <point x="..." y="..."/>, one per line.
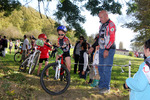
<point x="22" y="86"/>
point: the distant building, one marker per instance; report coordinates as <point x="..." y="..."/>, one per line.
<point x="122" y="52"/>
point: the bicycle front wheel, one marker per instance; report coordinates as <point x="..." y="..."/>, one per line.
<point x="52" y="85"/>
<point x="17" y="57"/>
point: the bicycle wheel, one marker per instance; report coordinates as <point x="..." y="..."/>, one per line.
<point x="50" y="84"/>
<point x="17" y="57"/>
<point x="33" y="65"/>
<point x="23" y="66"/>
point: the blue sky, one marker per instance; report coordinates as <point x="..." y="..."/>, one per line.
<point x="91" y="25"/>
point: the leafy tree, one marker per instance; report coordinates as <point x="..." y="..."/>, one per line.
<point x="8" y="6"/>
<point x="69" y="10"/>
<point x="15" y="33"/>
<point x="140" y="9"/>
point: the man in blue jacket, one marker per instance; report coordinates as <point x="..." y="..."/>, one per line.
<point x="140" y="83"/>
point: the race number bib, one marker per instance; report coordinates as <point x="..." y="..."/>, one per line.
<point x="39" y="42"/>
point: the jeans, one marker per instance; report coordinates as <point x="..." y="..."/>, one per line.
<point x="105" y="68"/>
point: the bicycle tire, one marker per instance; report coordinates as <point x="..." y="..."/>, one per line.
<point x="51" y="85"/>
<point x="23" y="66"/>
<point x="35" y="61"/>
<point x="17" y="57"/>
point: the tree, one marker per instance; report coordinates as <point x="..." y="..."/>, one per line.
<point x="9" y="5"/>
<point x="121" y="45"/>
<point x="140" y="9"/>
<point x="70" y="10"/>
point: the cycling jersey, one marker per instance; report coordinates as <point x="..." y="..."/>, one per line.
<point x="44" y="51"/>
<point x="64" y="42"/>
<point x="106" y="38"/>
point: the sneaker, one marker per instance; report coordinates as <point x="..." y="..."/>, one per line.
<point x="104" y="90"/>
<point x="97" y="88"/>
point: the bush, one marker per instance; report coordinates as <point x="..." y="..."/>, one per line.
<point x="131" y="54"/>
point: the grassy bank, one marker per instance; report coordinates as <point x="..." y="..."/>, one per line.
<point x="22" y="86"/>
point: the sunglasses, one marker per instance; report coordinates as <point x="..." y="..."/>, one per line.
<point x="60" y="34"/>
<point x="81" y="39"/>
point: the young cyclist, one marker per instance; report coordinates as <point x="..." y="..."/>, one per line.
<point x="63" y="42"/>
<point x="44" y="53"/>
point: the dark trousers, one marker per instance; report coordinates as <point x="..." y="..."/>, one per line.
<point x="76" y="58"/>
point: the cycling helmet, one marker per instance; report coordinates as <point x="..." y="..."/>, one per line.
<point x="63" y="28"/>
<point x="42" y="36"/>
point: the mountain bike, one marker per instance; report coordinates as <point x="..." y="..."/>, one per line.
<point x="31" y="61"/>
<point x="58" y="80"/>
<point x="18" y="55"/>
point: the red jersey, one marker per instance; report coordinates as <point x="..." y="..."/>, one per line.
<point x="44" y="51"/>
<point x="107" y="35"/>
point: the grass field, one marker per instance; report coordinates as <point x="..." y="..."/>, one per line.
<point x="22" y="86"/>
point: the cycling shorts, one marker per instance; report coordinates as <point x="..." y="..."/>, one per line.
<point x="41" y="60"/>
<point x="66" y="54"/>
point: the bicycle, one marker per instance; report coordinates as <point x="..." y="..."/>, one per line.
<point x="18" y="55"/>
<point x="30" y="61"/>
<point x="58" y="80"/>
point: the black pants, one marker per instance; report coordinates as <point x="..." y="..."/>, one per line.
<point x="76" y="58"/>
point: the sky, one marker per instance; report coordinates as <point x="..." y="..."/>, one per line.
<point x="92" y="24"/>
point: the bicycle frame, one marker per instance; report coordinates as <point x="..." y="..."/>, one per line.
<point x="31" y="59"/>
<point x="58" y="67"/>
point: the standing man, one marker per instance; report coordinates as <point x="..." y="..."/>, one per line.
<point x="25" y="47"/>
<point x="4" y="46"/>
<point x="106" y="43"/>
<point x="76" y="53"/>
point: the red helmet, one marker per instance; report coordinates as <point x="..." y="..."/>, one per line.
<point x="42" y="36"/>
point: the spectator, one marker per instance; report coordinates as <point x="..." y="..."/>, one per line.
<point x="140" y="83"/>
<point x="1" y="46"/>
<point x="94" y="69"/>
<point x="10" y="46"/>
<point x="76" y="52"/>
<point x="83" y="61"/>
<point x="16" y="45"/>
<point x="5" y="44"/>
<point x="44" y="53"/>
<point x="106" y="43"/>
<point x="25" y="47"/>
<point x="32" y="39"/>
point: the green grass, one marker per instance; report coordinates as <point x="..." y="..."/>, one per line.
<point x="28" y="83"/>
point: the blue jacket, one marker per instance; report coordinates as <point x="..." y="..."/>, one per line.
<point x="139" y="85"/>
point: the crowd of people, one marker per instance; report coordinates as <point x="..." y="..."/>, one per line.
<point x="100" y="56"/>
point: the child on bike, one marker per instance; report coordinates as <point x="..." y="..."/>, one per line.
<point x="64" y="43"/>
<point x="83" y="61"/>
<point x="44" y="53"/>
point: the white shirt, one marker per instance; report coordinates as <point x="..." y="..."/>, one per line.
<point x="85" y="55"/>
<point x="25" y="42"/>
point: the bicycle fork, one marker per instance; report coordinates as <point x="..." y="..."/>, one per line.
<point x="57" y="73"/>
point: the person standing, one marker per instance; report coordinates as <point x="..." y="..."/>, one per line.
<point x="106" y="43"/>
<point x="10" y="46"/>
<point x="25" y="47"/>
<point x="76" y="52"/>
<point x="140" y="83"/>
<point x="5" y="44"/>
